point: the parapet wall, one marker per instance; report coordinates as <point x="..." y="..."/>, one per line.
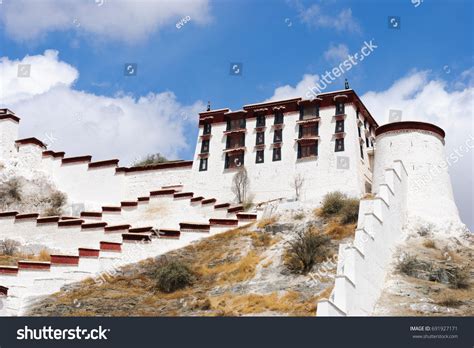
<point x="362" y="264"/>
<point x="87" y="184"/>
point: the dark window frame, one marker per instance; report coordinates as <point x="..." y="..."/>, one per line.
<point x="262" y="142"/>
<point x="201" y="162"/>
<point x="261" y="120"/>
<point x="339" y="129"/>
<point x="340" y="108"/>
<point x="304" y="153"/>
<point x="338" y="142"/>
<point x="260" y="152"/>
<point x="276" y="150"/>
<point x="361" y="151"/>
<point x="207" y="142"/>
<point x="279" y="117"/>
<point x="275" y="132"/>
<point x="207" y="129"/>
<point x="230" y="158"/>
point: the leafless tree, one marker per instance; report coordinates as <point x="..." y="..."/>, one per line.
<point x="297" y="184"/>
<point x="9" y="247"/>
<point x="240" y="184"/>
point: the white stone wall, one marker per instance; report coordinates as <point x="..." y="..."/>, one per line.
<point x="8" y="135"/>
<point x="271" y="180"/>
<point x="430" y="195"/>
<point x="362" y="264"/>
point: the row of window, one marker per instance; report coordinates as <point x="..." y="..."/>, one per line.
<point x="233" y="160"/>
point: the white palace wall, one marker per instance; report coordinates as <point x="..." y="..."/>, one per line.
<point x="273" y="179"/>
<point x="406" y="192"/>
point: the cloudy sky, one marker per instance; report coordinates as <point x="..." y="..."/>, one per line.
<point x="63" y="67"/>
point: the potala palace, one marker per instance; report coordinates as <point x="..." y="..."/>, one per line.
<point x="331" y="143"/>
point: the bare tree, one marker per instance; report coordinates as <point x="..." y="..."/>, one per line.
<point x="297" y="184"/>
<point x="240" y="184"/>
<point x="9" y="247"/>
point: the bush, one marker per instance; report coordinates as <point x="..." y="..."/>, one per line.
<point x="338" y="205"/>
<point x="305" y="249"/>
<point x="172" y="275"/>
<point x="10" y="191"/>
<point x="150" y="160"/>
<point x="459" y="278"/>
<point x="56" y="201"/>
<point x="9" y="247"/>
<point x="332" y="203"/>
<point x="350" y="211"/>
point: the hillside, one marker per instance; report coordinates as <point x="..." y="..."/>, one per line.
<point x="236" y="273"/>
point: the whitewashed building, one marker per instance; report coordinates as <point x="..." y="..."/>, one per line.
<point x="327" y="141"/>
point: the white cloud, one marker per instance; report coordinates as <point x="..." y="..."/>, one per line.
<point x="300" y="90"/>
<point x="125" y="20"/>
<point x="81" y="123"/>
<point x="336" y="53"/>
<point x="314" y="16"/>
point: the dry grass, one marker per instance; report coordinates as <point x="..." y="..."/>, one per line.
<point x="267" y="222"/>
<point x="290" y="303"/>
<point x="453" y="297"/>
<point x="12" y="260"/>
<point x="262" y="239"/>
<point x="430" y="244"/>
<point x="338" y="231"/>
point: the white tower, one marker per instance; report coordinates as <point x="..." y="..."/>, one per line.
<point x="420" y="146"/>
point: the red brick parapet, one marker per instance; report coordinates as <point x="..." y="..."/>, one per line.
<point x="8" y="214"/>
<point x="87" y="252"/>
<point x="163" y="192"/>
<point x="34" y="265"/>
<point x="116" y="228"/>
<point x="194" y="227"/>
<point x="110" y="246"/>
<point x="111" y="209"/>
<point x="246" y="216"/>
<point x="30" y="141"/>
<point x="410" y="125"/>
<point x="140" y="229"/>
<point x="78" y="159"/>
<point x="64" y="260"/>
<point x="71" y="222"/>
<point x="101" y="164"/>
<point x="91" y="214"/>
<point x="9" y="270"/>
<point x="26" y="216"/>
<point x="92" y="225"/>
<point x="223" y="222"/>
<point x="47" y="220"/>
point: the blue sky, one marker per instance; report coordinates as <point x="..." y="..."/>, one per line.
<point x="77" y="51"/>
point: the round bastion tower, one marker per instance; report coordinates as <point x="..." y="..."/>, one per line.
<point x="420" y="146"/>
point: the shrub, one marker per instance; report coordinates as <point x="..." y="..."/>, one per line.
<point x="429" y="243"/>
<point x="459" y="278"/>
<point x="299" y="216"/>
<point x="332" y="204"/>
<point x="411" y="266"/>
<point x="56" y="201"/>
<point x="336" y="230"/>
<point x="10" y="191"/>
<point x="150" y="160"/>
<point x="350" y="211"/>
<point x="172" y="275"/>
<point x="9" y="247"/>
<point x="305" y="249"/>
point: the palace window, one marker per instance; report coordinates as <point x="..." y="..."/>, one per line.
<point x="259" y="157"/>
<point x="309" y="112"/>
<point x="340" y="126"/>
<point x="278" y="117"/>
<point x="235" y="124"/>
<point x="339" y="145"/>
<point x="361" y="151"/>
<point x="278" y="136"/>
<point x="261" y="121"/>
<point x="340" y="108"/>
<point x="207" y="128"/>
<point x="205" y="146"/>
<point x="277" y="154"/>
<point x="308" y="131"/>
<point x="234" y="160"/>
<point x="360" y="132"/>
<point x="365" y="124"/>
<point x="307" y="150"/>
<point x="367" y="141"/>
<point x="203" y="165"/>
<point x="260" y="138"/>
<point x="235" y="140"/>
